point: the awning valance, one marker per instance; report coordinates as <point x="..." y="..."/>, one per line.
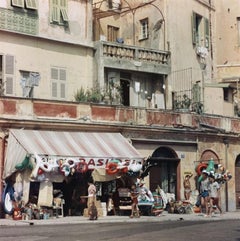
<point x="92" y="146"/>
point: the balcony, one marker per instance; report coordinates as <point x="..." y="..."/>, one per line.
<point x="132" y="58"/>
<point x="37" y="113"/>
<point x="17" y="21"/>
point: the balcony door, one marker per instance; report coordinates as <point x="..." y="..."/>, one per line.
<point x="125" y="86"/>
<point x="112" y="33"/>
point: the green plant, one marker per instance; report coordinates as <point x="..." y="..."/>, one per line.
<point x="80" y="95"/>
<point x="94" y="95"/>
<point x="90" y="95"/>
<point x="183" y="103"/>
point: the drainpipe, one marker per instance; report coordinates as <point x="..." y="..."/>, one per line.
<point x="3" y="141"/>
<point x="226" y="143"/>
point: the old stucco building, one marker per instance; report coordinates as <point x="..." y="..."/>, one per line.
<point x="145" y="59"/>
<point x="47" y="43"/>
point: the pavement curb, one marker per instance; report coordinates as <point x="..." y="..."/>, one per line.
<point x="121" y="219"/>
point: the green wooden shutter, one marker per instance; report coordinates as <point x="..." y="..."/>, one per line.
<point x="9" y="74"/>
<point x="206" y="32"/>
<point x="63" y="10"/>
<point x="194" y="29"/>
<point x="54" y="81"/>
<point x="62" y="78"/>
<point x="18" y="3"/>
<point x="55" y="12"/>
<point x="31" y="4"/>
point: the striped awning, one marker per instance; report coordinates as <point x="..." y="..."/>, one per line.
<point x="87" y="145"/>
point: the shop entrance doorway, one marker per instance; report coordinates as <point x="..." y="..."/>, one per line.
<point x="165" y="171"/>
<point x="237" y="182"/>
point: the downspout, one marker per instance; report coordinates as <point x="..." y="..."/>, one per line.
<point x="226" y="143"/>
<point x="3" y="141"/>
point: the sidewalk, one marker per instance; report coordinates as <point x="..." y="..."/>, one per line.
<point x="165" y="216"/>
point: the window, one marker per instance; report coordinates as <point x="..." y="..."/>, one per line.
<point x="6" y="74"/>
<point x="114" y="5"/>
<point x="28" y="4"/>
<point x="143" y="29"/>
<point x="228" y="94"/>
<point x="58" y="81"/>
<point x="200" y="30"/>
<point x="112" y="33"/>
<point x="59" y="13"/>
<point x="238" y="28"/>
<point x="28" y="81"/>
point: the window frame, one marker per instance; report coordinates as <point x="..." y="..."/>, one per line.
<point x="8" y="74"/>
<point x="28" y="84"/>
<point x="144" y="29"/>
<point x="58" y="12"/>
<point x="112" y="32"/>
<point x="200" y="30"/>
<point x="238" y="29"/>
<point x="58" y="84"/>
<point x="25" y="4"/>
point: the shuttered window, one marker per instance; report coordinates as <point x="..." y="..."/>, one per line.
<point x="143" y="29"/>
<point x="206" y="32"/>
<point x="58" y="81"/>
<point x="59" y="13"/>
<point x="200" y="30"/>
<point x="238" y="30"/>
<point x="9" y="74"/>
<point x="18" y="3"/>
<point x="30" y="4"/>
<point x="112" y="33"/>
<point x="194" y="29"/>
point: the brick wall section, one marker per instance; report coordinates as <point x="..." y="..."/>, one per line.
<point x="235" y="126"/>
<point x="216" y="122"/>
<point x="106" y="113"/>
<point x="125" y="115"/>
<point x="161" y="118"/>
<point x="55" y="110"/>
<point x="8" y="107"/>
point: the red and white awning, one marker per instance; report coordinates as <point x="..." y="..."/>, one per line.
<point x="86" y="145"/>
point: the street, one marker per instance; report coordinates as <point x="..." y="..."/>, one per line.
<point x="222" y="230"/>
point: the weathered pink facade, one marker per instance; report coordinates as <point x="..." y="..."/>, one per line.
<point x="190" y="136"/>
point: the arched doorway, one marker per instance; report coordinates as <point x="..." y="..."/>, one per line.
<point x="237" y="181"/>
<point x="164" y="170"/>
<point x="209" y="155"/>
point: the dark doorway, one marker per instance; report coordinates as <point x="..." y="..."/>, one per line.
<point x="165" y="171"/>
<point x="237" y="181"/>
<point x="124" y="84"/>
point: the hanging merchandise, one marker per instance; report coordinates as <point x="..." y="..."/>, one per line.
<point x="200" y="168"/>
<point x="135" y="166"/>
<point x="112" y="168"/>
<point x="8" y="198"/>
<point x="82" y="167"/>
<point x="24" y="164"/>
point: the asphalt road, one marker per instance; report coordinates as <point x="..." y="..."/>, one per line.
<point x="223" y="230"/>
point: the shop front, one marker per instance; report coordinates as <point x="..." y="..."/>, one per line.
<point x="48" y="172"/>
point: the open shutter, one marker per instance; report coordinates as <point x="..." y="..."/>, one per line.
<point x="62" y="73"/>
<point x="194" y="28"/>
<point x="63" y="10"/>
<point x="54" y="80"/>
<point x="9" y="74"/>
<point x="55" y="14"/>
<point x="18" y="3"/>
<point x="206" y="32"/>
<point x="31" y="4"/>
